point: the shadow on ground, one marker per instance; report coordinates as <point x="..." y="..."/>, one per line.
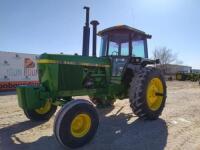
<point x="115" y="132"/>
<point x="7" y="93"/>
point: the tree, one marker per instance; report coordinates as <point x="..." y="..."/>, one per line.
<point x="166" y="57"/>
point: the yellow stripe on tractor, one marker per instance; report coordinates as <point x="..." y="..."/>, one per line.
<point x="47" y="61"/>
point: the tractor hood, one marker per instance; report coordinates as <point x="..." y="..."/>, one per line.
<point x="67" y="72"/>
<point x="73" y="60"/>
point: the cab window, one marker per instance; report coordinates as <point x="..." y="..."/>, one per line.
<point x="113" y="48"/>
<point x="118" y="45"/>
<point x="138" y="48"/>
<point x="125" y="49"/>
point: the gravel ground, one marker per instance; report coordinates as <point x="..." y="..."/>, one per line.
<point x="177" y="129"/>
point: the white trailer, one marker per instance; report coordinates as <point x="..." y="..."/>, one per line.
<point x="17" y="69"/>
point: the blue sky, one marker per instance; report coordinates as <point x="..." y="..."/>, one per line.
<point x="54" y="26"/>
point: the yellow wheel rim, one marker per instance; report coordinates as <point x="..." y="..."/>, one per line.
<point x="80" y="125"/>
<point x="43" y="110"/>
<point x="155" y="94"/>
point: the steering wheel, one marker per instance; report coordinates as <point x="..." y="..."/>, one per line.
<point x="115" y="53"/>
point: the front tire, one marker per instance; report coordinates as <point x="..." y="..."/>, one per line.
<point x="76" y="123"/>
<point x="147" y="93"/>
<point x="41" y="114"/>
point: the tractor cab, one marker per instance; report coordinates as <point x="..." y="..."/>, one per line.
<point x="124" y="41"/>
<point x="121" y="43"/>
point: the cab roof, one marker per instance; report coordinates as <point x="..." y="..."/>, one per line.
<point x="124" y="29"/>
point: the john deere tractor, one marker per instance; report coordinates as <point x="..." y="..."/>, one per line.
<point x="182" y="76"/>
<point x="121" y="71"/>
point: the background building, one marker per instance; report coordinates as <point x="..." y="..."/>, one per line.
<point x="17" y="69"/>
<point x="170" y="70"/>
<point x="195" y="70"/>
<point x="173" y="69"/>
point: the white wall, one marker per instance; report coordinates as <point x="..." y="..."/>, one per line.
<point x="16" y="68"/>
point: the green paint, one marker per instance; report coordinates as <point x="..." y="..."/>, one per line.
<point x="64" y="76"/>
<point x="60" y="79"/>
<point x="30" y="97"/>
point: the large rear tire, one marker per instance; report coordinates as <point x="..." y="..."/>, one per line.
<point x="41" y="114"/>
<point x="147" y="93"/>
<point x="76" y="123"/>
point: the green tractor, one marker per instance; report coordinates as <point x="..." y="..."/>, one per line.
<point x="182" y="76"/>
<point x="121" y="71"/>
<point x="194" y="77"/>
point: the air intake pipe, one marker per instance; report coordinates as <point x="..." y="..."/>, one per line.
<point x="86" y="34"/>
<point x="94" y="23"/>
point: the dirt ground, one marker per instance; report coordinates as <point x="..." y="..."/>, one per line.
<point x="177" y="129"/>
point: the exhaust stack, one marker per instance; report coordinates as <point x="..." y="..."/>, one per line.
<point x="86" y="34"/>
<point x="94" y="23"/>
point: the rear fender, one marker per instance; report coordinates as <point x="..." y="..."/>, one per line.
<point x="128" y="73"/>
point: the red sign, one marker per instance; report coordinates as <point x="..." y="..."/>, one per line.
<point x="11" y="85"/>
